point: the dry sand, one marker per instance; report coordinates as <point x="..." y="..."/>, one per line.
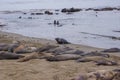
<point x="37" y="69"/>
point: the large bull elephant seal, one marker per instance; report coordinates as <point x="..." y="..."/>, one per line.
<point x="9" y="55"/>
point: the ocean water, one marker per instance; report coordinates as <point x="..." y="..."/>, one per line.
<point x="55" y="4"/>
<point x="102" y="23"/>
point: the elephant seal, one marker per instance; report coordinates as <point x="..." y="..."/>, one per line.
<point x="112" y="50"/>
<point x="35" y="55"/>
<point x="23" y="49"/>
<point x="100" y="75"/>
<point x="90" y="58"/>
<point x="46" y="48"/>
<point x="59" y="50"/>
<point x="61" y="41"/>
<point x="9" y="55"/>
<point x="9" y="47"/>
<point x="106" y="62"/>
<point x="95" y="53"/>
<point x="63" y="57"/>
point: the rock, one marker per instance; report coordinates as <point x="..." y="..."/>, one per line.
<point x="36" y="13"/>
<point x="63" y="57"/>
<point x="70" y="10"/>
<point x="61" y="41"/>
<point x="9" y="55"/>
<point x="48" y="12"/>
<point x="112" y="50"/>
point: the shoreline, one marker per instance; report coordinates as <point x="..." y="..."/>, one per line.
<point x="40" y="69"/>
<point x="18" y="37"/>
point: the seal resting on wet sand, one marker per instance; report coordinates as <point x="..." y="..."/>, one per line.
<point x="61" y="41"/>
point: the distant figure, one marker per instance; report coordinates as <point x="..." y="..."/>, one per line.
<point x="61" y="41"/>
<point x="56" y="22"/>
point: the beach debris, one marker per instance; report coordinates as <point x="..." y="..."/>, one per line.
<point x="61" y="41"/>
<point x="9" y="55"/>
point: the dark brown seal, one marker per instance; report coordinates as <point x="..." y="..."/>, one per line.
<point x="9" y="55"/>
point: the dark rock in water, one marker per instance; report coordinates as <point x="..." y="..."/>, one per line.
<point x="36" y="13"/>
<point x="30" y="18"/>
<point x="106" y="63"/>
<point x="96" y="54"/>
<point x="63" y="57"/>
<point x="61" y="41"/>
<point x="9" y="55"/>
<point x="112" y="50"/>
<point x="48" y="12"/>
<point x="20" y="17"/>
<point x="70" y="10"/>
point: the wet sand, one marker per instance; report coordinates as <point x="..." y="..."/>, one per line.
<point x="37" y="69"/>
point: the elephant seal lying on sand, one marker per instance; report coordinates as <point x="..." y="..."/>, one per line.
<point x="9" y="55"/>
<point x="15" y="47"/>
<point x="63" y="57"/>
<point x="100" y="75"/>
<point x="35" y="55"/>
<point x="98" y="60"/>
<point x="112" y="50"/>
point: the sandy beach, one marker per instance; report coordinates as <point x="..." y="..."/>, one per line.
<point x="40" y="69"/>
